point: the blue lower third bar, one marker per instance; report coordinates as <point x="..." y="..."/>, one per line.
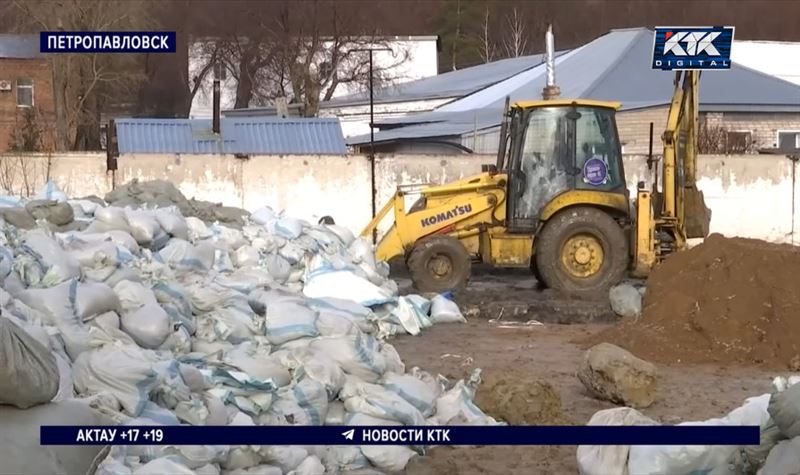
<point x="394" y="435"/>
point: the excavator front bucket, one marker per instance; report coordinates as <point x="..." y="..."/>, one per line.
<point x="697" y="215"/>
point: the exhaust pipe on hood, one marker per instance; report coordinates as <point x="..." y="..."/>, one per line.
<point x="550" y="91"/>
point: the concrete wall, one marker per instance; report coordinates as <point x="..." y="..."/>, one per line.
<point x="749" y="195"/>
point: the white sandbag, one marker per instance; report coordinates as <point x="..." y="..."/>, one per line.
<point x="278" y="267"/>
<point x="262" y="215"/>
<point x="124" y="371"/>
<point x="784" y="407"/>
<point x="58" y="265"/>
<point x="57" y="306"/>
<point x="66" y="389"/>
<point x="233" y="323"/>
<point x="406" y="315"/>
<point x="288" y="228"/>
<point x="444" y="310"/>
<point x="246" y="256"/>
<point x="331" y="323"/>
<point x="149" y="325"/>
<point x="345" y="285"/>
<point x="391" y="358"/>
<point x="784" y="459"/>
<point x="318" y="366"/>
<point x="257" y="362"/>
<point x="257" y="470"/>
<point x="393" y="458"/>
<point x="184" y="256"/>
<point x="172" y="222"/>
<point x="335" y="415"/>
<point x="84" y="208"/>
<point x="457" y="407"/>
<point x="688" y="459"/>
<point x="418" y="387"/>
<point x="28" y="371"/>
<point x="357" y="313"/>
<point x="20" y="451"/>
<point x="339" y="458"/>
<point x="361" y="419"/>
<point x="228" y="238"/>
<point x="51" y="191"/>
<point x="781" y="383"/>
<point x="609" y="459"/>
<point x="197" y="229"/>
<point x="143" y="225"/>
<point x="288" y="320"/>
<point x="345" y="235"/>
<point x="287" y="458"/>
<point x="162" y="466"/>
<point x="358" y="355"/>
<point x="114" y="217"/>
<point x="94" y="298"/>
<point x="311" y="465"/>
<point x="304" y="403"/>
<point x="376" y="401"/>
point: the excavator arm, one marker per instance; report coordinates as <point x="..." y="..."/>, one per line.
<point x="666" y="219"/>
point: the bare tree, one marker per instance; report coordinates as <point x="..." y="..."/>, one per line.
<point x="304" y="53"/>
<point x="516" y="39"/>
<point x="83" y="83"/>
<point x="487" y="46"/>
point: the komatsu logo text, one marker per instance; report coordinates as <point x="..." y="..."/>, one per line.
<point x="681" y="48"/>
<point x="446" y="215"/>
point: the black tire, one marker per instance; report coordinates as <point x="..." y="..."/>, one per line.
<point x="538" y="275"/>
<point x="575" y="224"/>
<point x="326" y="220"/>
<point x="439" y="264"/>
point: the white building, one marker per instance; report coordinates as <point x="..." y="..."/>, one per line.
<point x="776" y="58"/>
<point x="410" y="58"/>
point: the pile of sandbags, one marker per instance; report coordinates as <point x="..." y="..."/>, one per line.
<point x="151" y="317"/>
<point x="777" y="414"/>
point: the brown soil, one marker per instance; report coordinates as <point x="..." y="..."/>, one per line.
<point x="728" y="300"/>
<point x="520" y="401"/>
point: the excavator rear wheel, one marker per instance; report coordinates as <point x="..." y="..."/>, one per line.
<point x="581" y="250"/>
<point x="439" y="264"/>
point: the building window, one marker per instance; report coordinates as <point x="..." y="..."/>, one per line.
<point x="738" y="141"/>
<point x="788" y="139"/>
<point x="24" y="92"/>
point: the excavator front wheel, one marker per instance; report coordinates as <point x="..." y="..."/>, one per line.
<point x="439" y="264"/>
<point x="581" y="249"/>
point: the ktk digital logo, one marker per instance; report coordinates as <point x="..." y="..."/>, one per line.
<point x="681" y="48"/>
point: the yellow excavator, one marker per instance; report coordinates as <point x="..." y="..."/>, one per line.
<point x="556" y="201"/>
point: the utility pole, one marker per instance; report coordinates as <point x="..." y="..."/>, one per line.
<point x="372" y="133"/>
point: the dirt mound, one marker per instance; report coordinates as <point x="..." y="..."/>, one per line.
<point x="728" y="300"/>
<point x="161" y="193"/>
<point x="520" y="402"/>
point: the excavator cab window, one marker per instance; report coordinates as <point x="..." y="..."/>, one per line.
<point x="556" y="149"/>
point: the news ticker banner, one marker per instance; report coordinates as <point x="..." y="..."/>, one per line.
<point x="107" y="42"/>
<point x="408" y="435"/>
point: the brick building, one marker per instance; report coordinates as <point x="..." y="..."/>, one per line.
<point x="26" y="94"/>
<point x="742" y="110"/>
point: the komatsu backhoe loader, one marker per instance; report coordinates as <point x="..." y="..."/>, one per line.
<point x="556" y="200"/>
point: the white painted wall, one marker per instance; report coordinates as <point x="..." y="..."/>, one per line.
<point x="776" y="58"/>
<point x="411" y="58"/>
<point x="749" y="195"/>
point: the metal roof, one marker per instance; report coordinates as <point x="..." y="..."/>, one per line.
<point x="245" y="135"/>
<point x="613" y="67"/>
<point x="20" y="46"/>
<point x="447" y="85"/>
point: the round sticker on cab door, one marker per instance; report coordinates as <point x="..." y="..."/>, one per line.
<point x="595" y="172"/>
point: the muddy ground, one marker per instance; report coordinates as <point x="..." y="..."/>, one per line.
<point x="497" y="340"/>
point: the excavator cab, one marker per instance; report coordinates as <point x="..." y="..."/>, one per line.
<point x="557" y="147"/>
